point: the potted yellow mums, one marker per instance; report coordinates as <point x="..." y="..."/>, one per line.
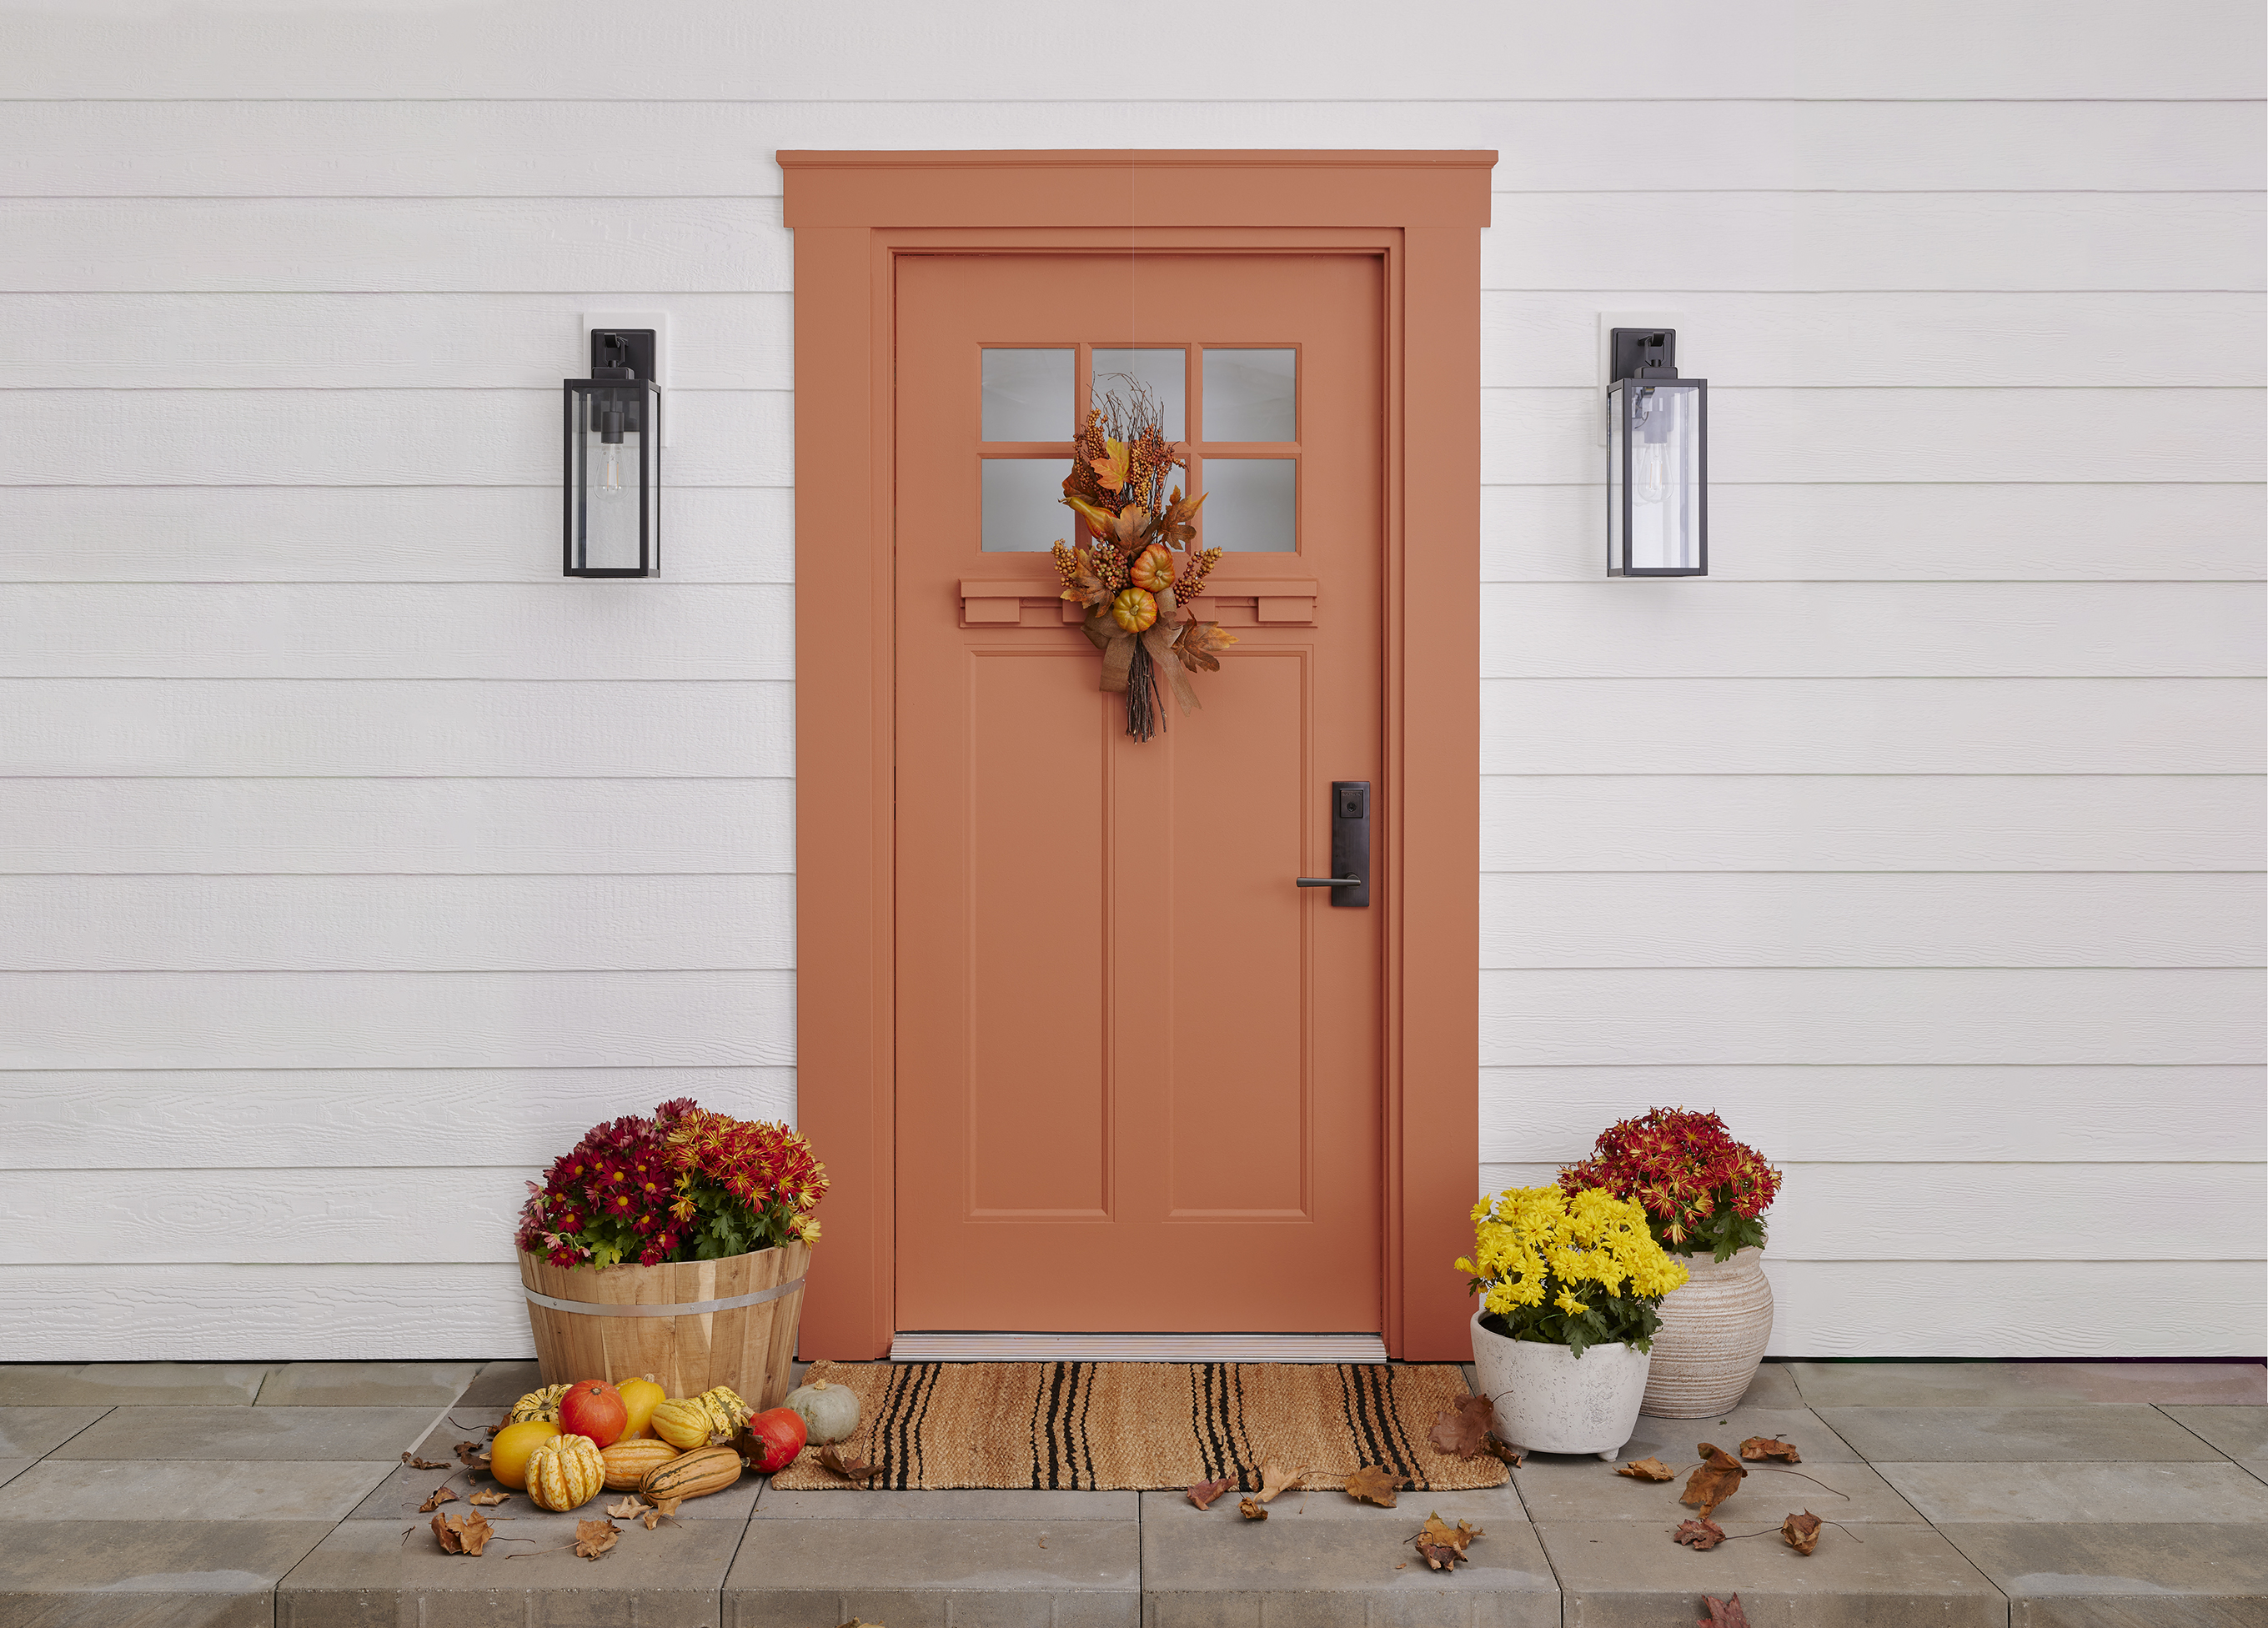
<point x="1571" y="1287"/>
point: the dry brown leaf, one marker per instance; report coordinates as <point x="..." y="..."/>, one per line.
<point x="1716" y="1479"/>
<point x="1511" y="1452"/>
<point x="855" y="1623"/>
<point x="626" y="1508"/>
<point x="1647" y="1469"/>
<point x="1703" y="1535"/>
<point x="1196" y="643"/>
<point x="440" y="1495"/>
<point x="1722" y="1613"/>
<point x="488" y="1497"/>
<point x="1801" y="1532"/>
<point x="416" y="1463"/>
<point x="463" y="1537"/>
<point x="664" y="1507"/>
<point x="1252" y="1509"/>
<point x="593" y="1539"/>
<point x="473" y="1454"/>
<point x="1464" y="1429"/>
<point x="1443" y="1545"/>
<point x="834" y="1460"/>
<point x="1373" y="1485"/>
<point x="1770" y="1447"/>
<point x="1277" y="1476"/>
<point x="1205" y="1492"/>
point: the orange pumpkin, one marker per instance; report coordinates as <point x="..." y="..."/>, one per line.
<point x="1134" y="610"/>
<point x="1152" y="569"/>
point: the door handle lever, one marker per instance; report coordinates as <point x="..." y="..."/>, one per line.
<point x="1329" y="882"/>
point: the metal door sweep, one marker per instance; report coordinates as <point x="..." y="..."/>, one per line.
<point x="918" y="1347"/>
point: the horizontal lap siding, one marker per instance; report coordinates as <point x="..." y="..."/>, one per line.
<point x="354" y="861"/>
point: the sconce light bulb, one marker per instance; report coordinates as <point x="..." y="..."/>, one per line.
<point x="1649" y="471"/>
<point x="610" y="469"/>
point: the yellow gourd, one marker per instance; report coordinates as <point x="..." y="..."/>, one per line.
<point x="565" y="1473"/>
<point x="695" y="1475"/>
<point x="640" y="1397"/>
<point x="508" y="1453"/>
<point x="542" y="1403"/>
<point x="630" y="1463"/>
<point x="682" y="1422"/>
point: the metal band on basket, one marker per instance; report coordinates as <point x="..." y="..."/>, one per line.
<point x="689" y="1308"/>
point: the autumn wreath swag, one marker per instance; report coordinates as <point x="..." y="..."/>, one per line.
<point x="1135" y="588"/>
<point x="675" y="1247"/>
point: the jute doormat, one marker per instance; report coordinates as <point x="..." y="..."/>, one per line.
<point x="1103" y="1426"/>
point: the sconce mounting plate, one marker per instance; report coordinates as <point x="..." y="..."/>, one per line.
<point x="622" y="347"/>
<point x="1635" y="349"/>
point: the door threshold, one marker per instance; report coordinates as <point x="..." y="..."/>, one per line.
<point x="918" y="1347"/>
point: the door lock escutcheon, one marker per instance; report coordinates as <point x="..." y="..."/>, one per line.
<point x="1349" y="879"/>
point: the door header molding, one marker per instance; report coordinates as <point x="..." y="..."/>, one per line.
<point x="1137" y="186"/>
<point x="854" y="214"/>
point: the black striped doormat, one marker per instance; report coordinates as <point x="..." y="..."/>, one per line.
<point x="1117" y="1425"/>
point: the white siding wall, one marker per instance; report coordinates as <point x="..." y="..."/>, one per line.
<point x="350" y="861"/>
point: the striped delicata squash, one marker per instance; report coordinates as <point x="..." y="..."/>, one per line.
<point x="630" y="1463"/>
<point x="543" y="1405"/>
<point x="695" y="1475"/>
<point x="565" y="1473"/>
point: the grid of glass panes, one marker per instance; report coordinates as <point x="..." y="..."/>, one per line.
<point x="1243" y="445"/>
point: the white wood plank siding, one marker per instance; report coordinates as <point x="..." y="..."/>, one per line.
<point x="351" y="861"/>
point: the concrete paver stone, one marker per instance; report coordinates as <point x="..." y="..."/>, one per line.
<point x="1677" y="1440"/>
<point x="179" y="1489"/>
<point x="35" y="1432"/>
<point x="1983" y="1384"/>
<point x="2105" y="1432"/>
<point x="333" y="1433"/>
<point x="366" y="1384"/>
<point x="149" y="1574"/>
<point x="131" y="1384"/>
<point x="2077" y="1492"/>
<point x="2119" y="1576"/>
<point x="1618" y="1574"/>
<point x="10" y="1468"/>
<point x="499" y="1385"/>
<point x="1573" y="1489"/>
<point x="2240" y="1432"/>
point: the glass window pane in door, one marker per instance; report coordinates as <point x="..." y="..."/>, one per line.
<point x="1023" y="504"/>
<point x="1165" y="371"/>
<point x="1027" y="395"/>
<point x="1249" y="395"/>
<point x="1253" y="508"/>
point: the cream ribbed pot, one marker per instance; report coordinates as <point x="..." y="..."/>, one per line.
<point x="1712" y="1336"/>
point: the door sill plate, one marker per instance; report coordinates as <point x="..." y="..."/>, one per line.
<point x="1137" y="1348"/>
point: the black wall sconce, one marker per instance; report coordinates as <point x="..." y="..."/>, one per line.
<point x="1657" y="460"/>
<point x="612" y="478"/>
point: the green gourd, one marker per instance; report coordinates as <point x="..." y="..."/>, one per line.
<point x="829" y="1412"/>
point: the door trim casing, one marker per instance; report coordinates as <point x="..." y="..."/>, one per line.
<point x="853" y="215"/>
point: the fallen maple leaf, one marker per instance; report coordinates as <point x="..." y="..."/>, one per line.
<point x="440" y="1495"/>
<point x="416" y="1463"/>
<point x="1443" y="1545"/>
<point x="1801" y="1532"/>
<point x="1647" y="1469"/>
<point x="1275" y="1478"/>
<point x="1716" y="1479"/>
<point x="653" y="1517"/>
<point x="1722" y="1613"/>
<point x="1465" y="1428"/>
<point x="1373" y="1485"/>
<point x="1252" y="1509"/>
<point x="463" y="1537"/>
<point x="1703" y="1535"/>
<point x="836" y="1462"/>
<point x="1205" y="1492"/>
<point x="663" y="1506"/>
<point x="593" y="1539"/>
<point x="628" y="1508"/>
<point x="1511" y="1452"/>
<point x="1771" y="1447"/>
<point x="489" y="1497"/>
<point x="473" y="1454"/>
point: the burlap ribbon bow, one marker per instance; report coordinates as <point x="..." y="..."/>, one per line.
<point x="1117" y="647"/>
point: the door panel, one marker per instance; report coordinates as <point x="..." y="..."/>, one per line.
<point x="1138" y="1070"/>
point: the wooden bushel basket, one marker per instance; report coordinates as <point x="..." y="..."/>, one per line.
<point x="691" y="1325"/>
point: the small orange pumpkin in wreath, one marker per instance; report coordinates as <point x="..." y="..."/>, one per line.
<point x="1152" y="568"/>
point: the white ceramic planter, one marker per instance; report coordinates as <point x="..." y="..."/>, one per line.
<point x="1551" y="1400"/>
<point x="1713" y="1333"/>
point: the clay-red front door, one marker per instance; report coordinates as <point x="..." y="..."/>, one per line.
<point x="1137" y="1068"/>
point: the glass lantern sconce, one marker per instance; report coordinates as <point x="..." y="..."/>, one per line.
<point x="611" y="482"/>
<point x="1657" y="460"/>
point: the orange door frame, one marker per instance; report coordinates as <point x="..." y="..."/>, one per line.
<point x="853" y="213"/>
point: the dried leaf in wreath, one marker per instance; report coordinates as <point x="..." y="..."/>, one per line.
<point x="1801" y="1532"/>
<point x="1373" y="1485"/>
<point x="626" y="1508"/>
<point x="463" y="1537"/>
<point x="593" y="1539"/>
<point x="834" y="1460"/>
<point x="438" y="1496"/>
<point x="1464" y="1428"/>
<point x="1716" y="1479"/>
<point x="1647" y="1469"/>
<point x="1195" y="646"/>
<point x="1722" y="1613"/>
<point x="416" y="1463"/>
<point x="1770" y="1447"/>
<point x="1277" y="1476"/>
<point x="489" y="1497"/>
<point x="1205" y="1492"/>
<point x="1252" y="1509"/>
<point x="1703" y="1535"/>
<point x="1443" y="1545"/>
